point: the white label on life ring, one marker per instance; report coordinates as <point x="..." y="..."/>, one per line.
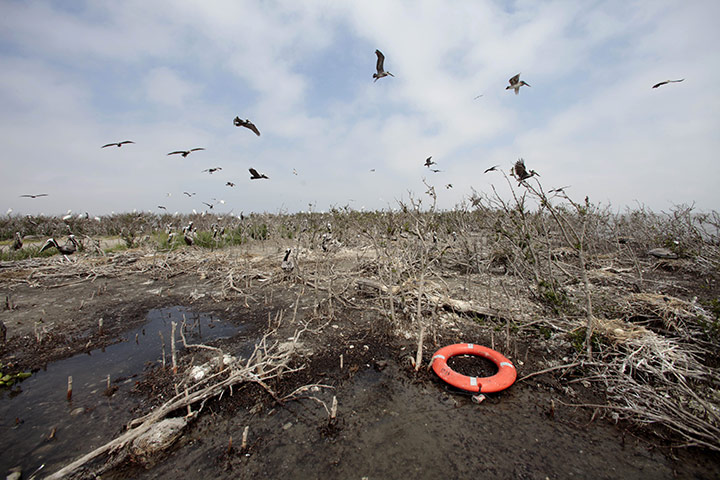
<point x="473" y="381"/>
<point x="439" y="356"/>
<point x="506" y="364"/>
<point x="470" y="346"/>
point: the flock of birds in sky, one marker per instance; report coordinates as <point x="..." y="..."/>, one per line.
<point x="519" y="171"/>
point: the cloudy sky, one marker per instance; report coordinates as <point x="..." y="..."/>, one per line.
<point x="172" y="75"/>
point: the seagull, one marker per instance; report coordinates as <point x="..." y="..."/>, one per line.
<point x="229" y="184"/>
<point x="117" y="144"/>
<point x="255" y="175"/>
<point x="68" y="249"/>
<point x="247" y="124"/>
<point x="185" y="153"/>
<point x="516" y="83"/>
<point x="18" y="243"/>
<point x="666" y="82"/>
<point x="35" y="196"/>
<point x="189" y="194"/>
<point x="491" y="169"/>
<point x="520" y="172"/>
<point x="429" y="162"/>
<point x="380" y="67"/>
<point x="212" y="170"/>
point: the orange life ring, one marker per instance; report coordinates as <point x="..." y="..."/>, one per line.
<point x="505" y="376"/>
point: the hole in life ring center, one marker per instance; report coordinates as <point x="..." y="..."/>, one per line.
<point x="472" y="366"/>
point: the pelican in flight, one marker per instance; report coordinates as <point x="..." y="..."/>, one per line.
<point x="429" y="162"/>
<point x="212" y="170"/>
<point x="666" y="82"/>
<point x="68" y="249"/>
<point x="162" y="207"/>
<point x="117" y="144"/>
<point x="247" y="124"/>
<point x="229" y="184"/>
<point x="254" y="175"/>
<point x="380" y="67"/>
<point x="189" y="194"/>
<point x="35" y="196"/>
<point x="185" y="153"/>
<point x="520" y="172"/>
<point x="516" y="83"/>
<point x="491" y="169"/>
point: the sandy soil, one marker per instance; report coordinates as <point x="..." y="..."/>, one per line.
<point x="392" y="421"/>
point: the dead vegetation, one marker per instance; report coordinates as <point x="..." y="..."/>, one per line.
<point x="644" y="330"/>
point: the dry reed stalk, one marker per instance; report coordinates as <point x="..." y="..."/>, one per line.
<point x="172" y="347"/>
<point x="69" y="388"/>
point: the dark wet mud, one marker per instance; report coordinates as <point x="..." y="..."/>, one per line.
<point x="40" y="426"/>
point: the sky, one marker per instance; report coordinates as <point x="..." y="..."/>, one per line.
<point x="172" y="75"/>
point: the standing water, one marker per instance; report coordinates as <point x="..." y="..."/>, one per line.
<point x="39" y="426"/>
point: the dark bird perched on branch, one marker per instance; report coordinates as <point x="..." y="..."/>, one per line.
<point x="212" y="170"/>
<point x="666" y="82"/>
<point x="429" y="162"/>
<point x="519" y="171"/>
<point x="18" y="243"/>
<point x="380" y="67"/>
<point x="185" y="153"/>
<point x="254" y="175"/>
<point x="35" y="196"/>
<point x="247" y="124"/>
<point x="117" y="144"/>
<point x="68" y="249"/>
<point x="516" y="83"/>
<point x="491" y="169"/>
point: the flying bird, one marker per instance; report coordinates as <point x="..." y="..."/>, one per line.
<point x="189" y="194"/>
<point x="247" y="124"/>
<point x="477" y="97"/>
<point x="435" y="171"/>
<point x="210" y="205"/>
<point x="254" y="175"/>
<point x="429" y="162"/>
<point x="117" y="144"/>
<point x="212" y="170"/>
<point x="491" y="169"/>
<point x="380" y="67"/>
<point x="68" y="249"/>
<point x="666" y="82"/>
<point x="294" y="172"/>
<point x="229" y="184"/>
<point x="558" y="190"/>
<point x="35" y="196"/>
<point x="185" y="153"/>
<point x="162" y="207"/>
<point x="448" y="186"/>
<point x="520" y="172"/>
<point x="516" y="83"/>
